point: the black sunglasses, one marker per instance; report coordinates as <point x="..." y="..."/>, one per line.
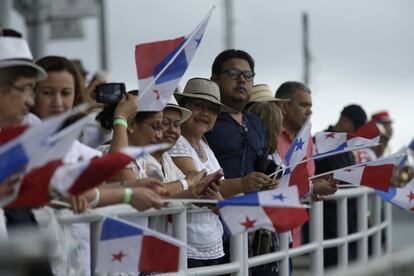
<point x="235" y="74"/>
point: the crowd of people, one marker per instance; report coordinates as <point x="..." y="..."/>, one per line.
<point x="222" y="125"/>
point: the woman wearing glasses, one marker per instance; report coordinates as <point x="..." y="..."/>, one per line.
<point x="191" y="153"/>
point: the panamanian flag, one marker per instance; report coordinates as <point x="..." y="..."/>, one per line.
<point x="75" y="178"/>
<point x="375" y="174"/>
<point x="24" y="148"/>
<point x="400" y="197"/>
<point x="331" y="143"/>
<point x="277" y="210"/>
<point x="125" y="247"/>
<point x="296" y="172"/>
<point x="33" y="189"/>
<point x="161" y="64"/>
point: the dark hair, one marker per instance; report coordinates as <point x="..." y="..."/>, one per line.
<point x="59" y="64"/>
<point x="229" y="54"/>
<point x="287" y="89"/>
<point x="356" y="114"/>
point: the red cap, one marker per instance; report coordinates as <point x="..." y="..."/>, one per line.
<point x="381" y="117"/>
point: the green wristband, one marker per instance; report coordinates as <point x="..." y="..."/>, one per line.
<point x="128" y="195"/>
<point x="120" y="121"/>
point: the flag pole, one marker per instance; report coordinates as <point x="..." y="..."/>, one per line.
<point x="190" y="200"/>
<point x="205" y="19"/>
<point x="323" y="156"/>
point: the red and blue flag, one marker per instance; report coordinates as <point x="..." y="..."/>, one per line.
<point x="161" y="64"/>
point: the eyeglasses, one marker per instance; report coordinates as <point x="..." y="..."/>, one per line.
<point x="203" y="105"/>
<point x="235" y="74"/>
<point x="28" y="89"/>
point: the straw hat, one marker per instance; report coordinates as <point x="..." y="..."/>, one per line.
<point x="262" y="93"/>
<point x="185" y="113"/>
<point x="199" y="88"/>
<point x="14" y="51"/>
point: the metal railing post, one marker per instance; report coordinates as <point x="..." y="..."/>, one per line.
<point x="376" y="238"/>
<point x="180" y="232"/>
<point x="94" y="239"/>
<point x="342" y="226"/>
<point x="388" y="217"/>
<point x="239" y="253"/>
<point x="362" y="205"/>
<point x="316" y="235"/>
<point x="284" y="247"/>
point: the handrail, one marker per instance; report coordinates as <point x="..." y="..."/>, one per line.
<point x="241" y="262"/>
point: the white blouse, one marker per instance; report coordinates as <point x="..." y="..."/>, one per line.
<point x="167" y="171"/>
<point x="204" y="229"/>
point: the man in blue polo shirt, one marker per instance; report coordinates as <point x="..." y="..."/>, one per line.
<point x="238" y="138"/>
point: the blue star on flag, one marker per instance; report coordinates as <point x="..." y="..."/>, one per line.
<point x="299" y="144"/>
<point x="280" y="197"/>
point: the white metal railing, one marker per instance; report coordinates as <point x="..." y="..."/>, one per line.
<point x="240" y="262"/>
<point x="396" y="264"/>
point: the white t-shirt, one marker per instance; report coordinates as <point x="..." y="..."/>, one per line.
<point x="204" y="229"/>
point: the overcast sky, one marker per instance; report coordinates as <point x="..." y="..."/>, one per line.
<point x="362" y="50"/>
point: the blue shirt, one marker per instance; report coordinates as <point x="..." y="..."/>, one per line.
<point x="237" y="147"/>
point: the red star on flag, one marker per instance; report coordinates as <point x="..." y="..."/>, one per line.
<point x="118" y="257"/>
<point x="410" y="196"/>
<point x="330" y="135"/>
<point x="248" y="223"/>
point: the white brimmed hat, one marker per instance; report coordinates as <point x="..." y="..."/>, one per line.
<point x="263" y="93"/>
<point x="199" y="88"/>
<point x="14" y="51"/>
<point x="185" y="113"/>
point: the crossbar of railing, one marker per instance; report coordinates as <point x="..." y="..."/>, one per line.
<point x="240" y="262"/>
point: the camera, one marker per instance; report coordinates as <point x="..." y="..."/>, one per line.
<point x="264" y="165"/>
<point x="110" y="93"/>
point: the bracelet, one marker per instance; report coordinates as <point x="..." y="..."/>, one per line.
<point x="120" y="117"/>
<point x="119" y="121"/>
<point x="184" y="183"/>
<point x="95" y="201"/>
<point x="128" y="195"/>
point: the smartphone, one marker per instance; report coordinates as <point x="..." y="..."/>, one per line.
<point x="214" y="178"/>
<point x="110" y="93"/>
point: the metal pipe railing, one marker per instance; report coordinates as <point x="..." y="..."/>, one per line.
<point x="239" y="260"/>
